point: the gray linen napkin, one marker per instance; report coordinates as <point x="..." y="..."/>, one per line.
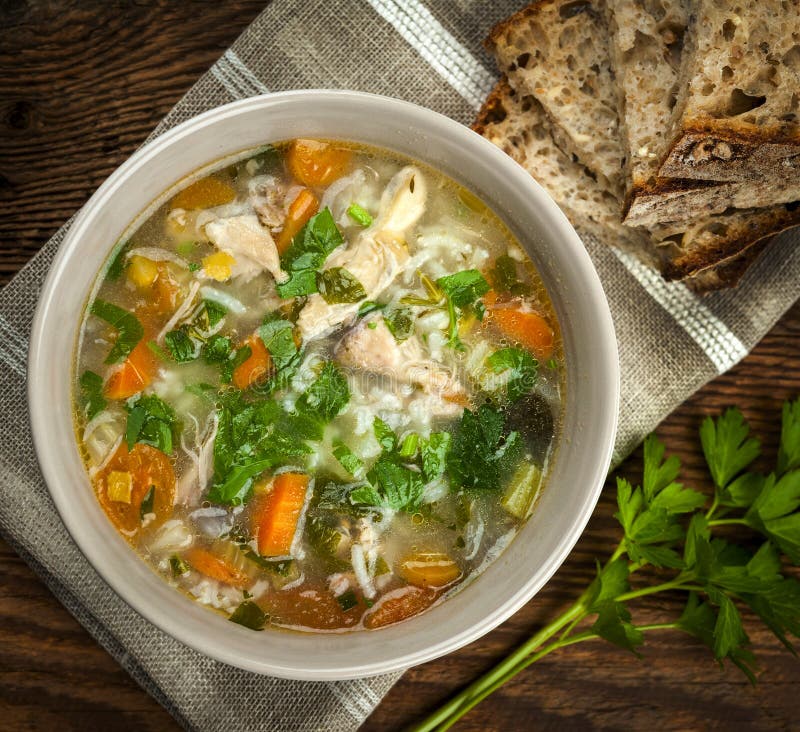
<point x="670" y="341"/>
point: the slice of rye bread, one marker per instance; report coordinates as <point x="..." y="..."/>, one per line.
<point x="557" y="52"/>
<point x="645" y="47"/>
<point x="737" y="114"/>
<point x="518" y="125"/>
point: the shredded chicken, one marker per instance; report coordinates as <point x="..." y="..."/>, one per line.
<point x="193" y="482"/>
<point x="375" y="349"/>
<point x="376" y="257"/>
<point x="268" y="198"/>
<point x="249" y="243"/>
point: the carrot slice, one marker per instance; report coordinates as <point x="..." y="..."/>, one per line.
<point x="529" y="329"/>
<point x="204" y="193"/>
<point x="148" y="468"/>
<point x="216" y="568"/>
<point x="133" y="375"/>
<point x="316" y="163"/>
<point x="275" y="520"/>
<point x="257" y="365"/>
<point x="399" y="605"/>
<point x="304" y="206"/>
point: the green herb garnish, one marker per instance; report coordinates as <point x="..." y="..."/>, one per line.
<point x="181" y="347"/>
<point x="461" y="291"/>
<point x="360" y="215"/>
<point x="307" y="253"/>
<point x="338" y="285"/>
<point x="92" y="393"/>
<point x="147" y="502"/>
<point x="250" y="615"/>
<point x="400" y="322"/>
<point x="675" y="529"/>
<point x="347" y="600"/>
<point x="129" y="328"/>
<point x="521" y="367"/>
<point x="151" y="421"/>
<point x="483" y="450"/>
<point x="216" y="349"/>
<point x="348" y="459"/>
<point x="178" y="566"/>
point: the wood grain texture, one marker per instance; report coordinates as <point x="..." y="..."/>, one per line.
<point x="82" y="83"/>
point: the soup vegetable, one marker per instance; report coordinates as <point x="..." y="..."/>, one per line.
<point x="316" y="389"/>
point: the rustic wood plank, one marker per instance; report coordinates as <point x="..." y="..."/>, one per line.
<point x="82" y="83"/>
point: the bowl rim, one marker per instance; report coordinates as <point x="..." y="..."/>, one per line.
<point x="604" y="429"/>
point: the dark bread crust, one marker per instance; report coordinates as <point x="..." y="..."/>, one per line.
<point x="714" y="151"/>
<point x="493" y="109"/>
<point x="728" y="274"/>
<point x="737" y="238"/>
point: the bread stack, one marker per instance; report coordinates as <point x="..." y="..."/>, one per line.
<point x="670" y="128"/>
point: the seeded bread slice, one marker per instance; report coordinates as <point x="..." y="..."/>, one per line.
<point x="557" y="52"/>
<point x="712" y="255"/>
<point x="737" y="115"/>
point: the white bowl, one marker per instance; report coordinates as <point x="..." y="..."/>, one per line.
<point x="592" y="378"/>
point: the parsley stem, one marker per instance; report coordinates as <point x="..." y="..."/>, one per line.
<point x="679" y="583"/>
<point x="714" y="505"/>
<point x="728" y="522"/>
<point x="453" y="709"/>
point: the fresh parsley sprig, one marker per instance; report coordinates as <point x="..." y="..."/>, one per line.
<point x="671" y="530"/>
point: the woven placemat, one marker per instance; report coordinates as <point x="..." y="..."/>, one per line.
<point x="670" y="341"/>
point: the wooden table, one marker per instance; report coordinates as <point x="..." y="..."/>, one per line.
<point x="82" y="83"/>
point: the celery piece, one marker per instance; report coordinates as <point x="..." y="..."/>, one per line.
<point x="523" y="490"/>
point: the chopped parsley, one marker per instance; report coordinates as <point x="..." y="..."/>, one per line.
<point x="92" y="393"/>
<point x="307" y="253"/>
<point x="130" y="330"/>
<point x="360" y="215"/>
<point x="339" y="285"/>
<point x="521" y="368"/>
<point x="151" y="421"/>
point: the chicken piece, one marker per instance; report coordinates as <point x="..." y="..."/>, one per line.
<point x="249" y="243"/>
<point x="377" y="256"/>
<point x="268" y="197"/>
<point x="376" y="350"/>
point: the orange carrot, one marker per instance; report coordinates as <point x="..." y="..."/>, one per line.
<point x="216" y="568"/>
<point x="204" y="193"/>
<point x="275" y="520"/>
<point x="303" y="207"/>
<point x="315" y="163"/>
<point x="133" y="375"/>
<point x="529" y="329"/>
<point x="148" y="468"/>
<point x="397" y="607"/>
<point x="257" y="365"/>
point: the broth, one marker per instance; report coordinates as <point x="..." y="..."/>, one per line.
<point x="319" y="388"/>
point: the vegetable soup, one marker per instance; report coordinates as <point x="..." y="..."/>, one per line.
<point x="318" y="389"/>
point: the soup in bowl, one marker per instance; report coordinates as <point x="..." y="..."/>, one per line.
<point x="340" y="372"/>
<point x="318" y="389"/>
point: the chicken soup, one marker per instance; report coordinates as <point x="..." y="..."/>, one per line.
<point x="318" y="388"/>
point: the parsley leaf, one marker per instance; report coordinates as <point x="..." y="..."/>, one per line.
<point x="614" y="625"/>
<point x="433" y="452"/>
<point x="339" y="285"/>
<point x="789" y="451"/>
<point x="181" y="347"/>
<point x="250" y="615"/>
<point x="521" y="367"/>
<point x="461" y="290"/>
<point x="216" y="349"/>
<point x="483" y="450"/>
<point x="252" y="437"/>
<point x="348" y="459"/>
<point x="399" y="321"/>
<point x="128" y="326"/>
<point x="307" y="253"/>
<point x="328" y="395"/>
<point x="92" y="393"/>
<point x="151" y="421"/>
<point x="391" y="485"/>
<point x="726" y="446"/>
